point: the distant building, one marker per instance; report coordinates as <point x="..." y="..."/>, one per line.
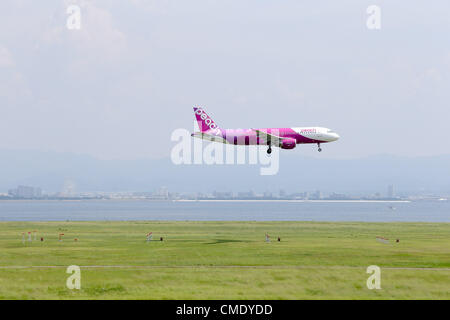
<point x="25" y="192"/>
<point x="163" y="192"/>
<point x="316" y="195"/>
<point x="249" y="194"/>
<point x="390" y="192"/>
<point x="68" y="188"/>
<point x="268" y="195"/>
<point x="37" y="192"/>
<point x="222" y="195"/>
<point x="300" y="195"/>
<point x="338" y="196"/>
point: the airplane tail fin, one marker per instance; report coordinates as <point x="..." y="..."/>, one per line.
<point x="204" y="121"/>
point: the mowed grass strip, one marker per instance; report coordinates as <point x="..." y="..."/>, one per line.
<point x="201" y="260"/>
<point x="224" y="283"/>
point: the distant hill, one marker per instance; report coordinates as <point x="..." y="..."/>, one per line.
<point x="50" y="170"/>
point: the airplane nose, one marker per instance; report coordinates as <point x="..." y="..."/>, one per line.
<point x="333" y="136"/>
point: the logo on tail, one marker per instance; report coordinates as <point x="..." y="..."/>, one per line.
<point x="205" y="123"/>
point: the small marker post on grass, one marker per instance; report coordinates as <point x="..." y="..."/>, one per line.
<point x="382" y="240"/>
<point x="60" y="237"/>
<point x="29" y="236"/>
<point x="149" y="236"/>
<point x="267" y="237"/>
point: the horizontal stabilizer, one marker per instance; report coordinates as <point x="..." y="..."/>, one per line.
<point x="209" y="137"/>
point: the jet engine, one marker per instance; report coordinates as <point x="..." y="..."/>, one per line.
<point x="288" y="143"/>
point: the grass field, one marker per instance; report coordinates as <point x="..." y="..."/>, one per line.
<point x="225" y="260"/>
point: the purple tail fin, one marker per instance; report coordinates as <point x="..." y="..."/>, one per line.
<point x="205" y="123"/>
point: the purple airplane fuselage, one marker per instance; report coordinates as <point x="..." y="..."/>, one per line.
<point x="285" y="138"/>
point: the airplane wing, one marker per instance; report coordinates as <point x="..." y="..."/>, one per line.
<point x="268" y="139"/>
<point x="209" y="137"/>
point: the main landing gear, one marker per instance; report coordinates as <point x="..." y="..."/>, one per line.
<point x="269" y="151"/>
<point x="320" y="149"/>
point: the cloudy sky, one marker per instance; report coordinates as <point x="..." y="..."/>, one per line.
<point x="120" y="85"/>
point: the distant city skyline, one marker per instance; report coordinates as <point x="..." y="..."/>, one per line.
<point x="70" y="173"/>
<point x="163" y="193"/>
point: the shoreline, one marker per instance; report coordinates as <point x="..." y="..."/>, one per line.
<point x="286" y="200"/>
<point x="221" y="200"/>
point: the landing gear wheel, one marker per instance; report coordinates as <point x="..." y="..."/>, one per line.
<point x="320" y="149"/>
<point x="269" y="151"/>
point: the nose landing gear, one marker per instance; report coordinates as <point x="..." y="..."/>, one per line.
<point x="320" y="149"/>
<point x="269" y="151"/>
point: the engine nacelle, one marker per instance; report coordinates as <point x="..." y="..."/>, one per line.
<point x="288" y="143"/>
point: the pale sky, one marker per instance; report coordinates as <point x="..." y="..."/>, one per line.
<point x="120" y="85"/>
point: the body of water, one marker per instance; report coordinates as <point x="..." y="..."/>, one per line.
<point x="422" y="211"/>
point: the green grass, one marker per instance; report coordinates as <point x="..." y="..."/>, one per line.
<point x="225" y="260"/>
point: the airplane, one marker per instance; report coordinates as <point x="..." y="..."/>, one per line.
<point x="284" y="138"/>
